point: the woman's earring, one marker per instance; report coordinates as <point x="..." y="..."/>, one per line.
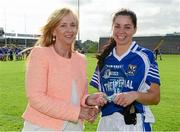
<point x="54" y="38"/>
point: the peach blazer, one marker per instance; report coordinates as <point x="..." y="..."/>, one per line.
<point x="50" y="80"/>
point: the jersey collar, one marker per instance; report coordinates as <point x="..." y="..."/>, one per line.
<point x="119" y="58"/>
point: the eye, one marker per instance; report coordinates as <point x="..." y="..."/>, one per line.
<point x="62" y="25"/>
<point x="116" y="26"/>
<point x="73" y="25"/>
<point x="128" y="27"/>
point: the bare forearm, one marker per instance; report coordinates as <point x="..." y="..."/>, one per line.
<point x="152" y="97"/>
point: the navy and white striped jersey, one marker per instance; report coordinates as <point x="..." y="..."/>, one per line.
<point x="135" y="70"/>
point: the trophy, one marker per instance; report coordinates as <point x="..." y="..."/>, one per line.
<point x="113" y="80"/>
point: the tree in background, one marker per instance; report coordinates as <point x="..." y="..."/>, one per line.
<point x="89" y="46"/>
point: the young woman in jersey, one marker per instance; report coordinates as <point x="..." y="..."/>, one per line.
<point x="128" y="75"/>
<point x="56" y="82"/>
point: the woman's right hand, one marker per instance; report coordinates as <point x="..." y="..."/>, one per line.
<point x="88" y="114"/>
<point x="96" y="99"/>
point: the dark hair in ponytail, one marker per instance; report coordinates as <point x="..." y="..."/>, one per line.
<point x="106" y="50"/>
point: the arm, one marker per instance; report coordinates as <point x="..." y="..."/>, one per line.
<point x="151" y="97"/>
<point x="88" y="112"/>
<point x="37" y="83"/>
<point x="98" y="97"/>
<point x="150" y="91"/>
<point x="85" y="86"/>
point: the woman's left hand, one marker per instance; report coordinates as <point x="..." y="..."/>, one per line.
<point x="94" y="113"/>
<point x="126" y="98"/>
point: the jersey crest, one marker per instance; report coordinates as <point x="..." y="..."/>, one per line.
<point x="131" y="69"/>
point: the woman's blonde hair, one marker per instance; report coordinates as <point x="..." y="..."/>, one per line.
<point x="47" y="38"/>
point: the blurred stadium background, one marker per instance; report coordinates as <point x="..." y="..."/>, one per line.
<point x="12" y="77"/>
<point x="16" y="42"/>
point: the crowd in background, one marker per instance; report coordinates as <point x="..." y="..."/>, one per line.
<point x="11" y="52"/>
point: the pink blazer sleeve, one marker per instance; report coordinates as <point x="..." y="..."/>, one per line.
<point x="36" y="88"/>
<point x="85" y="88"/>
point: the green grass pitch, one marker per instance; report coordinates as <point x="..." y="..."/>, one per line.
<point x="13" y="100"/>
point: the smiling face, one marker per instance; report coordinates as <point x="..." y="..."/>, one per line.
<point x="66" y="30"/>
<point x="123" y="30"/>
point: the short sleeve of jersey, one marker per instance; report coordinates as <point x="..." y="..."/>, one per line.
<point x="153" y="72"/>
<point x="95" y="81"/>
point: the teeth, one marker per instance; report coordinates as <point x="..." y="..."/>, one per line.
<point x="69" y="36"/>
<point x="120" y="37"/>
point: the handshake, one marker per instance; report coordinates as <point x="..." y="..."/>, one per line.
<point x="93" y="102"/>
<point x="126" y="99"/>
<point x="91" y="109"/>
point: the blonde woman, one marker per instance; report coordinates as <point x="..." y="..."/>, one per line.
<point x="56" y="83"/>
